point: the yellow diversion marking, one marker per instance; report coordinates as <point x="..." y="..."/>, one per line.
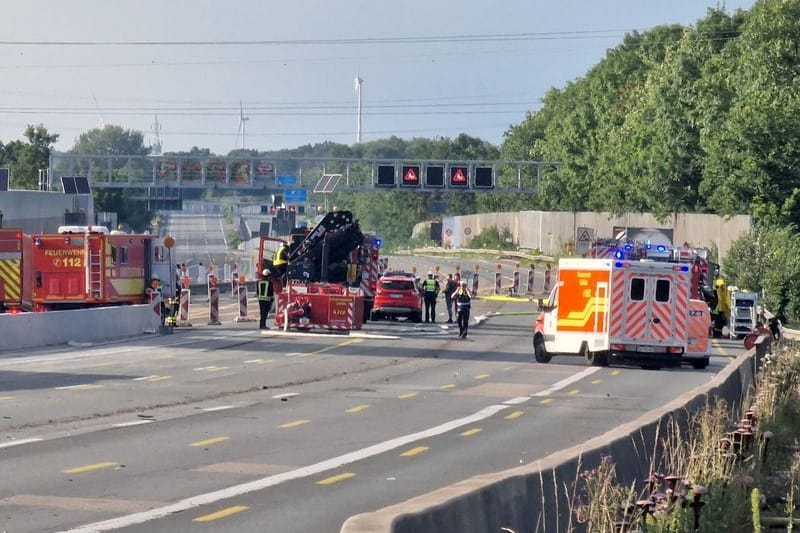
<point x="407" y="395"/>
<point x="482" y="376"/>
<point x="414" y="451"/>
<point x="329" y="348"/>
<point x="208" y="442"/>
<point x="2" y="398"/>
<point x="573" y="392"/>
<point x="597" y="381"/>
<point x="616" y="372"/>
<point x="358" y="408"/>
<point x="294" y="424"/>
<point x="448" y="386"/>
<point x="515" y="414"/>
<point x="221" y="514"/>
<point x="89" y="468"/>
<point x="335" y="479"/>
<point x="715" y="343"/>
<point x="546" y="401"/>
<point x="471" y="432"/>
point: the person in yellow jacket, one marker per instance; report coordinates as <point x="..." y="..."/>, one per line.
<point x="281" y="259"/>
<point x="722" y="311"/>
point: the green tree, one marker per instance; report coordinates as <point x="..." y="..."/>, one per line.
<point x="25" y="159"/>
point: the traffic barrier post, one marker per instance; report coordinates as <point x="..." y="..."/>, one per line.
<point x="498" y="280"/>
<point x="183" y="313"/>
<point x="475" y="278"/>
<point x="515" y="288"/>
<point x="213" y="306"/>
<point x="234" y="283"/>
<point x="242" y="316"/>
<point x="531" y="272"/>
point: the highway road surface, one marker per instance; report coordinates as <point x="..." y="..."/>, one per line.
<point x="199" y="238"/>
<point x="228" y="429"/>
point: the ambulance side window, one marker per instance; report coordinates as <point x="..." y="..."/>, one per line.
<point x="662" y="290"/>
<point x="123" y="255"/>
<point x="113" y="254"/>
<point x="637" y="289"/>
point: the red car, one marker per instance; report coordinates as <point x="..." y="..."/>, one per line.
<point x="396" y="296"/>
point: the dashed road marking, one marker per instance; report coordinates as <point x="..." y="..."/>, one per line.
<point x="568" y="381"/>
<point x="211" y="368"/>
<point x="574" y="392"/>
<point x="358" y="408"/>
<point x="328" y="348"/>
<point x="208" y="442"/>
<point x="335" y="479"/>
<point x="407" y="395"/>
<point x="219" y="408"/>
<point x="597" y="381"/>
<point x="616" y="372"/>
<point x="6" y="398"/>
<point x="154" y="377"/>
<point x="259" y="361"/>
<point x="482" y="376"/>
<point x="89" y="468"/>
<point x="414" y="451"/>
<point x="448" y="386"/>
<point x="224" y="513"/>
<point x="515" y="414"/>
<point x="546" y="401"/>
<point x="85" y="386"/>
<point x="285" y="395"/>
<point x="133" y="423"/>
<point x="294" y="424"/>
<point x="470" y="432"/>
<point x="20" y="442"/>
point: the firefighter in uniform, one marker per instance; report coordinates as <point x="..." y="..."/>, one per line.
<point x="722" y="311"/>
<point x="430" y="290"/>
<point x="281" y="259"/>
<point x="265" y="294"/>
<point x="463" y="299"/>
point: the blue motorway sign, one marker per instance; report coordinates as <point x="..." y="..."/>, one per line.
<point x="295" y="196"/>
<point x="285" y="179"/>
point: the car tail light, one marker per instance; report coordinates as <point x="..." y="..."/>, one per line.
<point x="675" y="349"/>
<point x="618" y="347"/>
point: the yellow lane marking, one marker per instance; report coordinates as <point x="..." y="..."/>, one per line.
<point x="515" y="414"/>
<point x="211" y="368"/>
<point x="6" y="398"/>
<point x="329" y="348"/>
<point x="335" y="479"/>
<point x="208" y="442"/>
<point x="482" y="376"/>
<point x="448" y="386"/>
<point x="221" y="514"/>
<point x="546" y="401"/>
<point x="160" y="378"/>
<point x="414" y="451"/>
<point x="597" y="381"/>
<point x="294" y="424"/>
<point x="715" y="343"/>
<point x="470" y="432"/>
<point x="260" y="361"/>
<point x="88" y="468"/>
<point x="573" y="392"/>
<point x="616" y="372"/>
<point x="358" y="408"/>
<point x="407" y="395"/>
<point x="80" y="387"/>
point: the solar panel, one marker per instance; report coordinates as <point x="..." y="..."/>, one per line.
<point x="4" y="179"/>
<point x="68" y="184"/>
<point x="82" y="185"/>
<point x="328" y="182"/>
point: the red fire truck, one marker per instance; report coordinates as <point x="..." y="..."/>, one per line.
<point x="80" y="266"/>
<point x="330" y="279"/>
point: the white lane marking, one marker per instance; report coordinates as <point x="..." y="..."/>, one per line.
<point x="134" y="423"/>
<point x="568" y="381"/>
<point x="518" y="399"/>
<point x="219" y="408"/>
<point x="145" y="378"/>
<point x="19" y="442"/>
<point x="287" y="395"/>
<point x="271" y="481"/>
<point x="79" y="387"/>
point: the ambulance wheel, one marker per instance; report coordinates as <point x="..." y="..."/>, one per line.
<point x="594" y="358"/>
<point x="540" y="352"/>
<point x="699" y="364"/>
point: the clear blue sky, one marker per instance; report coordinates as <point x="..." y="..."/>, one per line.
<point x="295" y="87"/>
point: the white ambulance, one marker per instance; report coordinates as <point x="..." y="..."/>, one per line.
<point x="625" y="310"/>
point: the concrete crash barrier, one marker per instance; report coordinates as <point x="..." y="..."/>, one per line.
<point x="29" y="330"/>
<point x="538" y="496"/>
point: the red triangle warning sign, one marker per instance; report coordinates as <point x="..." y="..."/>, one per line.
<point x="584" y="236"/>
<point x="459" y="176"/>
<point x="410" y="176"/>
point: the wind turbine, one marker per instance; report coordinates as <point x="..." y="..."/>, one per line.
<point x="156" y="129"/>
<point x="102" y="124"/>
<point x="358" y="82"/>
<point x="242" y="120"/>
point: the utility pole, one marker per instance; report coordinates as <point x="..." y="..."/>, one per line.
<point x="358" y="82"/>
<point x="242" y="121"/>
<point x="156" y="129"/>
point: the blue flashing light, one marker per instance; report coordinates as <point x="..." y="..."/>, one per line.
<point x="684" y="268"/>
<point x="628" y="247"/>
<point x="378" y="242"/>
<point x="618" y="254"/>
<point x="618" y="264"/>
<point x="648" y="246"/>
<point x="661" y="248"/>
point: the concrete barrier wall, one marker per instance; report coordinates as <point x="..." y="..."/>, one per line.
<point x="551" y="231"/>
<point x="537" y="497"/>
<point x="27" y="330"/>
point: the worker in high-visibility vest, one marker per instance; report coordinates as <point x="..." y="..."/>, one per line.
<point x="281" y="260"/>
<point x="265" y="294"/>
<point x="430" y="291"/>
